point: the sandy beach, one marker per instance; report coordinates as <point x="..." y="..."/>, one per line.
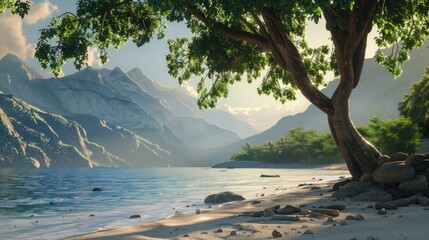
<point x="231" y="221"/>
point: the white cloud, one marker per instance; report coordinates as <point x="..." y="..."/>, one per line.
<point x="40" y="11"/>
<point x="12" y="38"/>
<point x="190" y="90"/>
<point x="94" y="58"/>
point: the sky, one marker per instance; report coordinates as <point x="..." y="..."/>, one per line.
<point x="20" y="36"/>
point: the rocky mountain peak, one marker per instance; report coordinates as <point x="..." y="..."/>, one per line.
<point x="11" y="64"/>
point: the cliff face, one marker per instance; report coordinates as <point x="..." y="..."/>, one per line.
<point x="33" y="138"/>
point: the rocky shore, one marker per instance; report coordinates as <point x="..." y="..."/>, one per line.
<point x="342" y="209"/>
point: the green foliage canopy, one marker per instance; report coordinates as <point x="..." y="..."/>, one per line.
<point x="15" y="7"/>
<point x="415" y="104"/>
<point x="391" y="136"/>
<point x="231" y="39"/>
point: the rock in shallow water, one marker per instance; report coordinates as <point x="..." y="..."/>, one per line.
<point x="223" y="198"/>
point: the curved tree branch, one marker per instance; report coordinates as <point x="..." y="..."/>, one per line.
<point x="233" y="33"/>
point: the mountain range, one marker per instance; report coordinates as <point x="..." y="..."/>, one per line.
<point x="135" y="119"/>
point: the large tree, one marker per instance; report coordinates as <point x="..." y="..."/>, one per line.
<point x="234" y="39"/>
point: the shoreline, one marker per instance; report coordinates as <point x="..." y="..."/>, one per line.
<point x="219" y="222"/>
<point x="263" y="165"/>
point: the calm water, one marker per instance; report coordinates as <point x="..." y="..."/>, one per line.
<point x="56" y="203"/>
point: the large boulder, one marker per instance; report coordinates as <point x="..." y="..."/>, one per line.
<point x="351" y="189"/>
<point x="412" y="187"/>
<point x="421" y="165"/>
<point x="373" y="196"/>
<point x="393" y="173"/>
<point x="223" y="197"/>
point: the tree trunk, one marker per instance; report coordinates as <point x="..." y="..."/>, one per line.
<point x="360" y="155"/>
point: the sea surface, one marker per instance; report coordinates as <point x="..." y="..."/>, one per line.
<point x="57" y="203"/>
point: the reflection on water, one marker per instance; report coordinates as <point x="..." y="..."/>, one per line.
<point x="54" y="203"/>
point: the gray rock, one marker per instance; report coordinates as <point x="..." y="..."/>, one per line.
<point x="393" y="173"/>
<point x="317" y="215"/>
<point x="289" y="209"/>
<point x="382" y="211"/>
<point x="268" y="213"/>
<point x="233" y="233"/>
<point x="338" y="207"/>
<point x="396" y="194"/>
<point x="424" y="201"/>
<point x="134" y="216"/>
<point x="269" y="176"/>
<point x="399" y="156"/>
<point x="341" y="183"/>
<point x="421" y="178"/>
<point x="359" y="217"/>
<point x="411" y="159"/>
<point x="422" y="165"/>
<point x="373" y="196"/>
<point x="276" y="234"/>
<point x="97" y="189"/>
<point x="350" y="217"/>
<point x="412" y="187"/>
<point x="223" y="198"/>
<point x="366" y="177"/>
<point x="351" y="189"/>
<point x="308" y="232"/>
<point x="383" y="159"/>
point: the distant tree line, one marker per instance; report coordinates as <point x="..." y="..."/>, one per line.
<point x="312" y="147"/>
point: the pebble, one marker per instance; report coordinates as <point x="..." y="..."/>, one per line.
<point x="330" y="219"/>
<point x="308" y="232"/>
<point x="198" y="211"/>
<point x="359" y="217"/>
<point x="382" y="211"/>
<point x="92" y="215"/>
<point x="97" y="189"/>
<point x="255" y="202"/>
<point x="276" y="234"/>
<point x="350" y="217"/>
<point x="232" y="233"/>
<point x="338" y="207"/>
<point x="268" y="213"/>
<point x="204" y="233"/>
<point x="135" y="216"/>
<point x="315" y="188"/>
<point x="343" y="223"/>
<point x="186" y="235"/>
<point x="220" y="230"/>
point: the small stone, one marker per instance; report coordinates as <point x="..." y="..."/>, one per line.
<point x="289" y="209"/>
<point x="268" y="213"/>
<point x="329" y="212"/>
<point x="220" y="230"/>
<point x="232" y="233"/>
<point x="276" y="234"/>
<point x="315" y="188"/>
<point x="382" y="211"/>
<point x="369" y="206"/>
<point x="350" y="217"/>
<point x="330" y="219"/>
<point x="97" y="189"/>
<point x="424" y="201"/>
<point x="317" y="215"/>
<point x="359" y="217"/>
<point x="257" y="214"/>
<point x="366" y="177"/>
<point x="343" y="223"/>
<point x="198" y="211"/>
<point x="204" y="233"/>
<point x="255" y="202"/>
<point x="92" y="215"/>
<point x="186" y="235"/>
<point x="308" y="232"/>
<point x="134" y="216"/>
